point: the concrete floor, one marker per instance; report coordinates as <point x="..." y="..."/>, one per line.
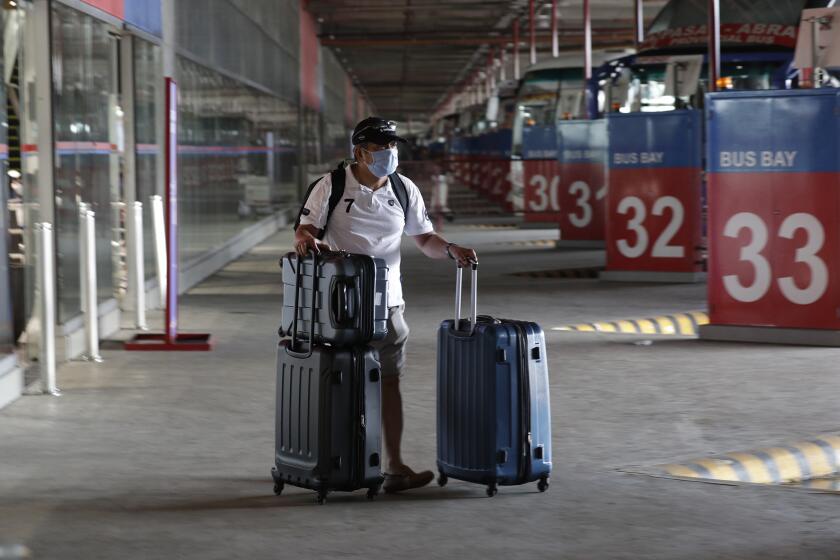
<point x="168" y="455"/>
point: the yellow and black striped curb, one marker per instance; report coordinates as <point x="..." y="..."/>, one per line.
<point x="531" y="243"/>
<point x="491" y="226"/>
<point x="804" y="460"/>
<point x="825" y="484"/>
<point x="589" y="272"/>
<point x="678" y="324"/>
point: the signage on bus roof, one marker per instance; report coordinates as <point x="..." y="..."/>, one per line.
<point x="730" y="34"/>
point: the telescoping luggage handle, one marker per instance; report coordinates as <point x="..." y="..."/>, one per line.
<point x="459" y="281"/>
<point x="298" y="281"/>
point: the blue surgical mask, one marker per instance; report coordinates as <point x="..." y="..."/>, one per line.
<point x="384" y="162"/>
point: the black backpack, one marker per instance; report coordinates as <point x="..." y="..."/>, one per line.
<point x="338" y="177"/>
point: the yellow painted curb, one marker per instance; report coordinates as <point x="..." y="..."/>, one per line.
<point x="532" y="243"/>
<point x="491" y="226"/>
<point x="815" y="458"/>
<point x="678" y="324"/>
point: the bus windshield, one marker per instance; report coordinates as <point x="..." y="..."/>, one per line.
<point x="546" y="95"/>
<point x="644" y="87"/>
<point x="537" y="100"/>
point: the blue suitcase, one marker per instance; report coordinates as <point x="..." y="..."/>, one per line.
<point x="493" y="413"/>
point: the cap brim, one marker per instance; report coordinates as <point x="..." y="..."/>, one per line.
<point x="383" y="138"/>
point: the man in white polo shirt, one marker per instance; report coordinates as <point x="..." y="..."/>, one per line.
<point x="377" y="206"/>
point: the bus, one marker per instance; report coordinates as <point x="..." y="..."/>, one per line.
<point x="555" y="91"/>
<point x="670" y="71"/>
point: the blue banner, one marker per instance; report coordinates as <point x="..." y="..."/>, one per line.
<point x="539" y="142"/>
<point x="582" y="141"/>
<point x="671" y="139"/>
<point x="145" y="15"/>
<point x="497" y="143"/>
<point x="457" y="146"/>
<point x="774" y="131"/>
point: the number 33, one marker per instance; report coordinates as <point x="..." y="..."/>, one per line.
<point x="752" y="254"/>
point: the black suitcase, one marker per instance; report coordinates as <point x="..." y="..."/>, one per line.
<point x="351" y="298"/>
<point x="327" y="427"/>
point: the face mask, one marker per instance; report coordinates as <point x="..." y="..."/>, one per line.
<point x="384" y="162"/>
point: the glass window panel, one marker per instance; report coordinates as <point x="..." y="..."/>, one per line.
<point x="237" y="157"/>
<point x="148" y="78"/>
<point x="6" y="329"/>
<point x="87" y="165"/>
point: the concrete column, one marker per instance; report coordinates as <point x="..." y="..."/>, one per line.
<point x="587" y="39"/>
<point x="129" y="176"/>
<point x="714" y="44"/>
<point x="639" y="14"/>
<point x="168" y="68"/>
<point x="516" y="49"/>
<point x="39" y="46"/>
<point x="532" y="31"/>
<point x="167" y="14"/>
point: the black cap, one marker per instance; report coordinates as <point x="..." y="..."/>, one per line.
<point x="377" y="131"/>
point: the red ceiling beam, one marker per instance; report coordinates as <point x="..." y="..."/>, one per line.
<point x="611" y="35"/>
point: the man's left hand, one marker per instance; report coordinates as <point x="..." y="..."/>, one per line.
<point x="463" y="256"/>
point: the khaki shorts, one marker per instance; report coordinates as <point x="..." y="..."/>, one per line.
<point x="392" y="348"/>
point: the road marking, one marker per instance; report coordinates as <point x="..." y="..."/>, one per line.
<point x="678" y="324"/>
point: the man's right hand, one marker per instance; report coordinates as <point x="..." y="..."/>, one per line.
<point x="306" y="241"/>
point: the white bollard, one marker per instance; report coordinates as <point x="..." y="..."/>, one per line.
<point x="83" y="209"/>
<point x="160" y="244"/>
<point x="46" y="300"/>
<point x="137" y="253"/>
<point x="87" y="241"/>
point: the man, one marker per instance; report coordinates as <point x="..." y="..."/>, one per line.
<point x="376" y="208"/>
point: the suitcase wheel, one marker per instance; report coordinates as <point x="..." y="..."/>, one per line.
<point x="492" y="490"/>
<point x="322" y="497"/>
<point x="442" y="479"/>
<point x="372" y="492"/>
<point x="542" y="485"/>
<point x="278" y="481"/>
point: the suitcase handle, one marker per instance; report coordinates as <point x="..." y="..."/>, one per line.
<point x="459" y="282"/>
<point x="342" y="306"/>
<point x="298" y="282"/>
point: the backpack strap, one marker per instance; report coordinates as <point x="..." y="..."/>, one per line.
<point x="338" y="177"/>
<point x="400" y="192"/>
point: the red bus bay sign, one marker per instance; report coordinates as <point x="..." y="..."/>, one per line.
<point x="730" y="34"/>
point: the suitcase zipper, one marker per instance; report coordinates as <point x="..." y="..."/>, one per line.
<point x="359" y="391"/>
<point x="524" y="400"/>
<point x="366" y="319"/>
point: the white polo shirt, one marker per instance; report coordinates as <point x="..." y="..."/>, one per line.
<point x="369" y="222"/>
